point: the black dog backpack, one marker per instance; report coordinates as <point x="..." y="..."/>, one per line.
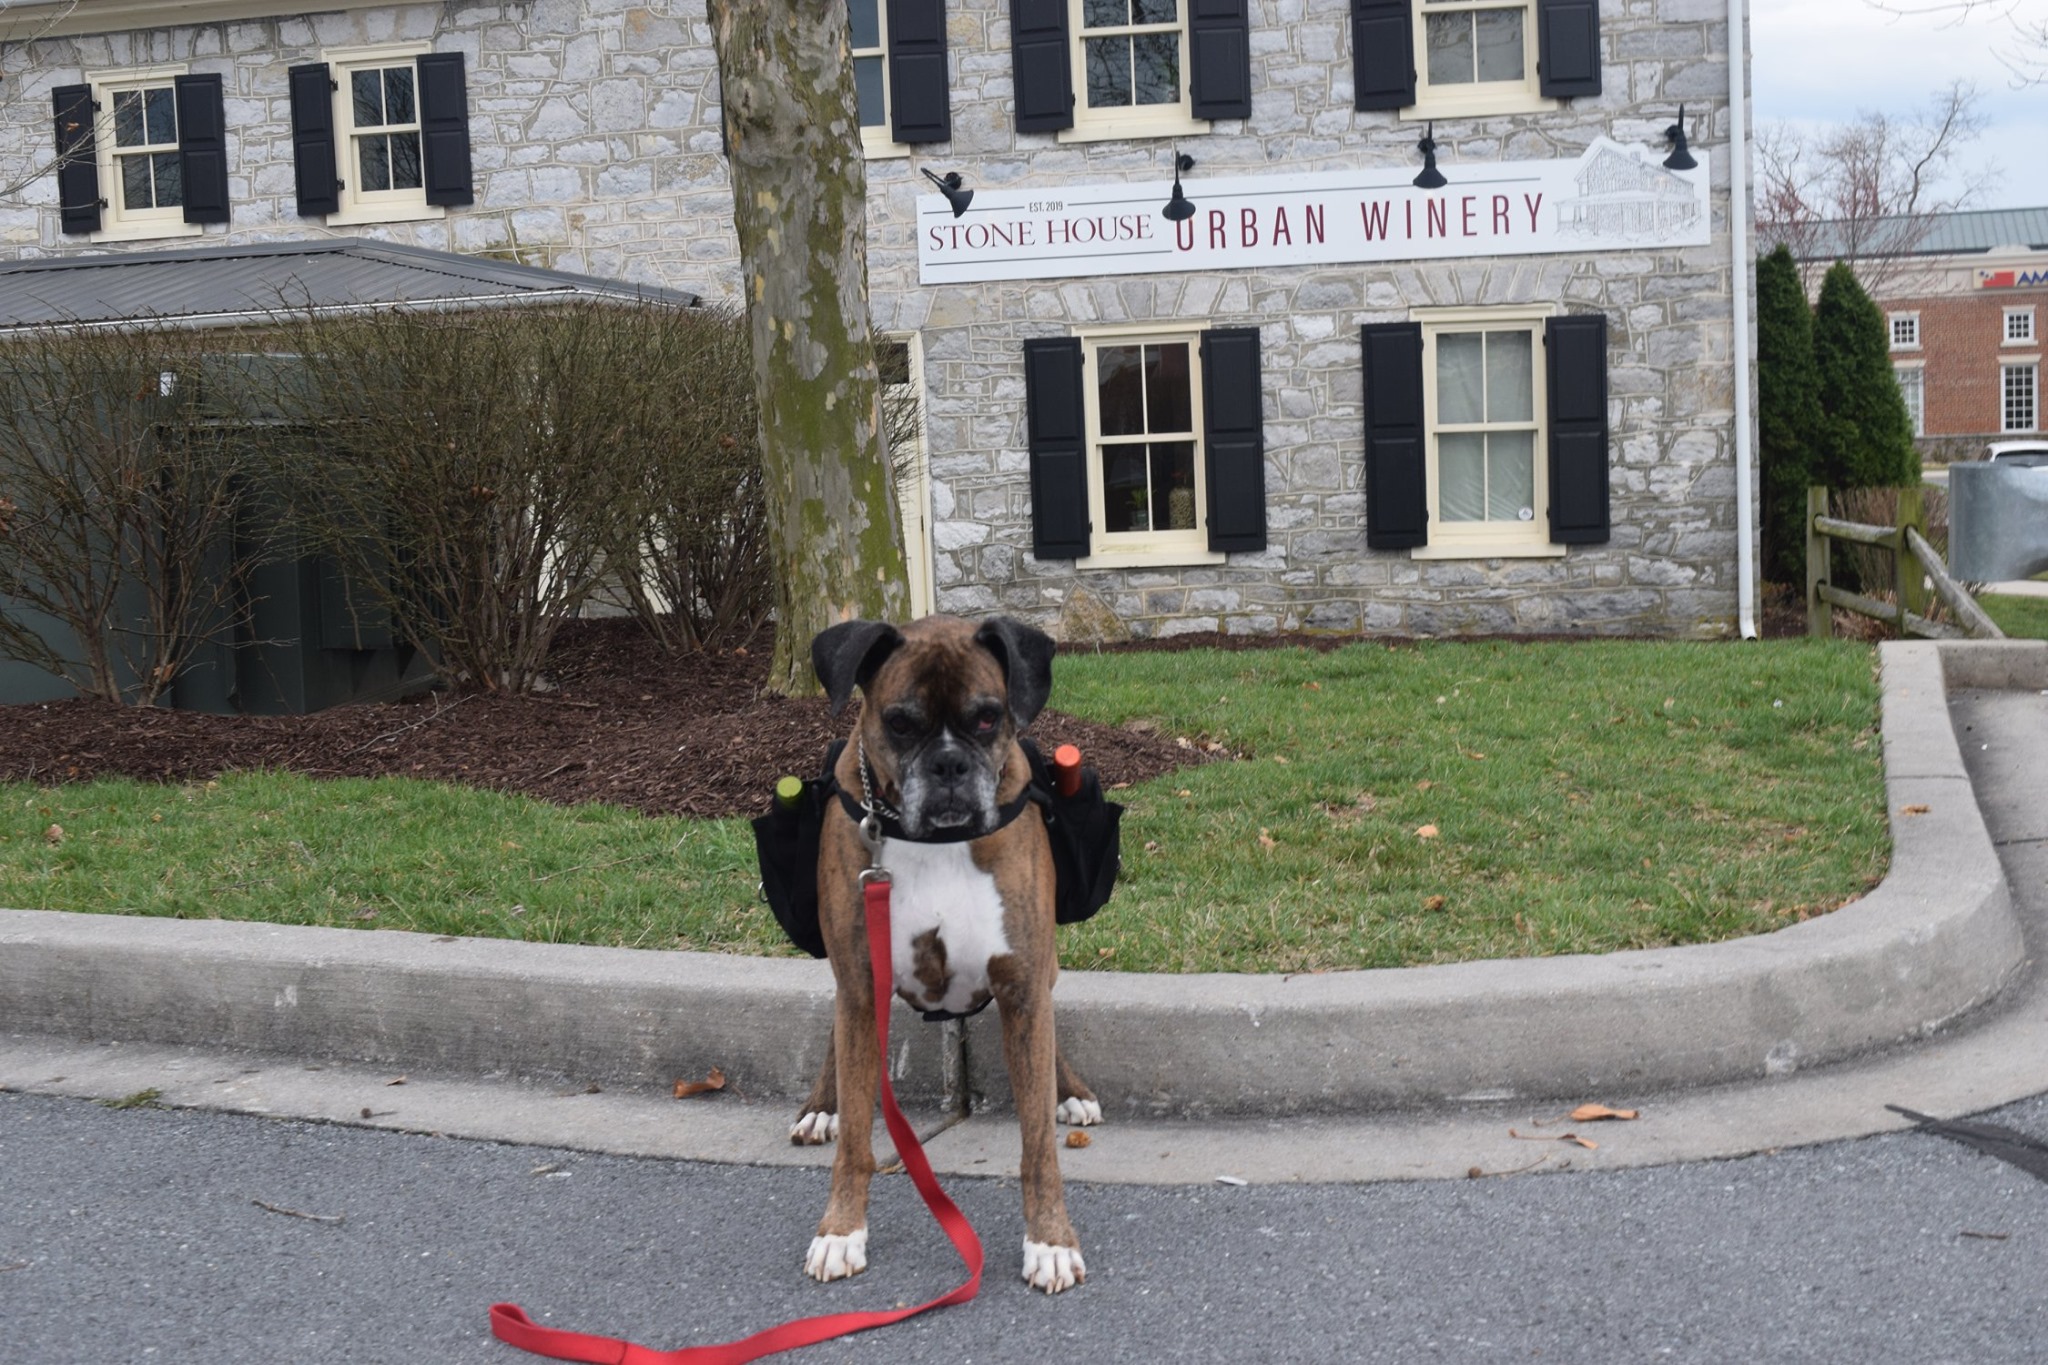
<point x="1082" y="829"/>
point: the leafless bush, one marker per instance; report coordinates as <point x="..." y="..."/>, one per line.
<point x="123" y="544"/>
<point x="470" y="470"/>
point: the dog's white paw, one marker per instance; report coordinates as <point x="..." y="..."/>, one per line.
<point x="1052" y="1268"/>
<point x="835" y="1258"/>
<point x="814" y="1129"/>
<point x="1079" y="1112"/>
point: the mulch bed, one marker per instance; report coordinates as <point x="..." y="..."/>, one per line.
<point x="627" y="724"/>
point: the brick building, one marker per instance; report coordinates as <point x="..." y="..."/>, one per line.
<point x="1337" y="393"/>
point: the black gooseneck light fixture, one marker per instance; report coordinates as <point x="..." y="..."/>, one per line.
<point x="949" y="185"/>
<point x="1430" y="177"/>
<point x="1179" y="208"/>
<point x="1680" y="158"/>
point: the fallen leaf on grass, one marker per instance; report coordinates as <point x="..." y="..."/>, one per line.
<point x="1915" y="809"/>
<point x="1266" y="839"/>
<point x="1077" y="1138"/>
<point x="1426" y="832"/>
<point x="1593" y="1113"/>
<point x="1434" y="903"/>
<point x="714" y="1081"/>
<point x="54" y="834"/>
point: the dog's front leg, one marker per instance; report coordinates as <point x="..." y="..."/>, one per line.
<point x="818" y="1121"/>
<point x="1052" y="1253"/>
<point x="841" y="1245"/>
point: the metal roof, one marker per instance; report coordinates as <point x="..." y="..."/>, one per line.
<point x="244" y="285"/>
<point x="1965" y="232"/>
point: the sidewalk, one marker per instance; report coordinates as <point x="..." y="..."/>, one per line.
<point x="1920" y="994"/>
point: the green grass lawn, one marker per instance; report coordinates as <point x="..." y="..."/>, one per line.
<point x="2022" y="618"/>
<point x="1391" y="806"/>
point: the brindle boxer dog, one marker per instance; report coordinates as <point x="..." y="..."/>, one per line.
<point x="971" y="908"/>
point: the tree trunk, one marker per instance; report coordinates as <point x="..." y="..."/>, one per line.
<point x="800" y="206"/>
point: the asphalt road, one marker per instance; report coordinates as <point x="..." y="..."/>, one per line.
<point x="134" y="1236"/>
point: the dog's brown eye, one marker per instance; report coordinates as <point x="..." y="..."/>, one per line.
<point x="901" y="726"/>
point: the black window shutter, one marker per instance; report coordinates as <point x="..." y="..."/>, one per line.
<point x="1396" y="474"/>
<point x="1576" y="349"/>
<point x="313" y="152"/>
<point x="1041" y="73"/>
<point x="1220" y="58"/>
<point x="1383" y="53"/>
<point x="78" y="171"/>
<point x="1234" y="439"/>
<point x="444" y="129"/>
<point x="203" y="147"/>
<point x="920" y="103"/>
<point x="1056" y="435"/>
<point x="1568" y="47"/>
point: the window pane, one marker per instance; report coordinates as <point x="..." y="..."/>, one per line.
<point x="128" y="118"/>
<point x="1169" y="405"/>
<point x="892" y="362"/>
<point x="1119" y="393"/>
<point x="398" y="101"/>
<point x="1461" y="476"/>
<point x="867" y="89"/>
<point x="161" y="116"/>
<point x="137" y="190"/>
<point x="1450" y="48"/>
<point x="405" y="161"/>
<point x="1109" y="71"/>
<point x="864" y="23"/>
<point x="1156" y="59"/>
<point x="1155" y="11"/>
<point x="375" y="153"/>
<point x="1173" y="484"/>
<point x="367" y="91"/>
<point x="1123" y="489"/>
<point x="1511" y="476"/>
<point x="1459" y="370"/>
<point x="1510" y="396"/>
<point x="1105" y="13"/>
<point x="170" y="179"/>
<point x="1499" y="41"/>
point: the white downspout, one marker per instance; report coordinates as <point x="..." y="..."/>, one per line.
<point x="1738" y="237"/>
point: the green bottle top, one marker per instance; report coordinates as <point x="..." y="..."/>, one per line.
<point x="788" y="790"/>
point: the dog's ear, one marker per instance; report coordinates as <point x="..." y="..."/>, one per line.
<point x="1025" y="652"/>
<point x="845" y="656"/>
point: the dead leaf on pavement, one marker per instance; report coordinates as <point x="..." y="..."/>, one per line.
<point x="1593" y="1113"/>
<point x="1077" y="1138"/>
<point x="714" y="1081"/>
<point x="1915" y="809"/>
<point x="1587" y="1143"/>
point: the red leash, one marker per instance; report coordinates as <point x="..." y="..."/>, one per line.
<point x="510" y="1324"/>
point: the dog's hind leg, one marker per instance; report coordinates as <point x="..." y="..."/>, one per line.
<point x="818" y="1121"/>
<point x="1078" y="1105"/>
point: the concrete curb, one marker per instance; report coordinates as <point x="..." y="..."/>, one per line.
<point x="1936" y="940"/>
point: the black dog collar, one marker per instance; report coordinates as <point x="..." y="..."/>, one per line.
<point x="892" y="827"/>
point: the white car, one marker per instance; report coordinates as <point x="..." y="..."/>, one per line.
<point x="2023" y="454"/>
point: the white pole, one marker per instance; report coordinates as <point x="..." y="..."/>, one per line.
<point x="1738" y="237"/>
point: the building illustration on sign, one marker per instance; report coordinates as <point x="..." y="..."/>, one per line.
<point x="1624" y="194"/>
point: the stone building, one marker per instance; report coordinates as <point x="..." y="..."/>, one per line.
<point x="1397" y="316"/>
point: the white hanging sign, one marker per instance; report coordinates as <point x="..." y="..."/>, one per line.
<point x="1612" y="198"/>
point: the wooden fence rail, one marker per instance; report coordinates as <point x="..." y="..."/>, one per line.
<point x="1914" y="565"/>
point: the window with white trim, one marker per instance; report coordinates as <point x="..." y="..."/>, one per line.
<point x="2019" y="394"/>
<point x="1145" y="484"/>
<point x="2019" y="325"/>
<point x="870" y="53"/>
<point x="1130" y="69"/>
<point x="1477" y="57"/>
<point x="141" y="173"/>
<point x="1905" y="328"/>
<point x="377" y="135"/>
<point x="1913" y="388"/>
<point x="1484" y="410"/>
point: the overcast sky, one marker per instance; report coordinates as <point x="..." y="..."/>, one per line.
<point x="1821" y="61"/>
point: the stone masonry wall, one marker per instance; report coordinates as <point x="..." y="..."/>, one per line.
<point x="596" y="146"/>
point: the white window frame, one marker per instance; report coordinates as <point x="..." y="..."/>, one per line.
<point x="1129" y="121"/>
<point x="2022" y="335"/>
<point x="372" y="206"/>
<point x="119" y="224"/>
<point x="1144" y="549"/>
<point x="1914" y="393"/>
<point x="1489" y="539"/>
<point x="2009" y="370"/>
<point x="877" y="141"/>
<point x="1909" y="323"/>
<point x="1476" y="98"/>
<point x="914" y="482"/>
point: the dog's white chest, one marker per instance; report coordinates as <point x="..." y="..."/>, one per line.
<point x="939" y="891"/>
